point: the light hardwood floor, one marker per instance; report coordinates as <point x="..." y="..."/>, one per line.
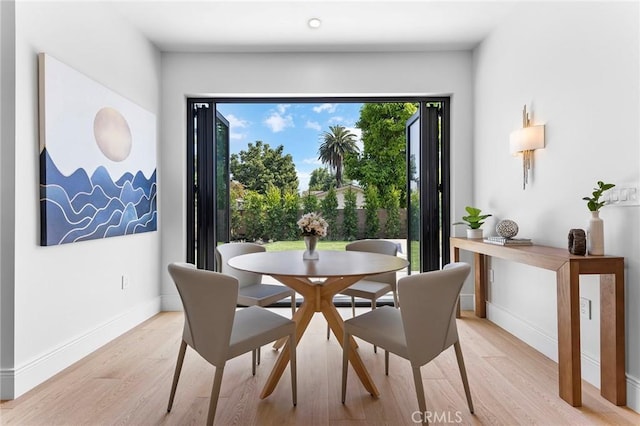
<point x="127" y="382"/>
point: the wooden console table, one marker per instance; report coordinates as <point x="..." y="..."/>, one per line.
<point x="568" y="269"/>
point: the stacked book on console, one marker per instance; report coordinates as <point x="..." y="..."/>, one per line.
<point x="503" y="241"/>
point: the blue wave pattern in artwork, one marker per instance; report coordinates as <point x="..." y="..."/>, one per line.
<point x="80" y="207"/>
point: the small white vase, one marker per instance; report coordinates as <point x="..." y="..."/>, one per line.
<point x="474" y="233"/>
<point x="310" y="243"/>
<point x="595" y="235"/>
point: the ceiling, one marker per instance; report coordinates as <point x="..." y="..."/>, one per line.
<point x="282" y="26"/>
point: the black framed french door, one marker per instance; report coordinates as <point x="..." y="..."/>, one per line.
<point x="427" y="133"/>
<point x="208" y="180"/>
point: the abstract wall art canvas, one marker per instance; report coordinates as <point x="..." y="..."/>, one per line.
<point x="97" y="159"/>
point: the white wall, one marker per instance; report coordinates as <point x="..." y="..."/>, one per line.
<point x="68" y="299"/>
<point x="300" y="74"/>
<point x="576" y="66"/>
<point x="7" y="188"/>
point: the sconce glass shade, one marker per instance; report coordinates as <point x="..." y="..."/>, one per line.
<point x="526" y="139"/>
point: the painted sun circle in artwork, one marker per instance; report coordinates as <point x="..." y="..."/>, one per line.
<point x="112" y="134"/>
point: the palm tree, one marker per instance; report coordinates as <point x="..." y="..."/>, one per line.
<point x="336" y="143"/>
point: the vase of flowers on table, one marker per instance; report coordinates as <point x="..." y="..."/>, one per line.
<point x="312" y="226"/>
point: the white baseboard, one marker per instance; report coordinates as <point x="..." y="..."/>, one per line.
<point x="171" y="302"/>
<point x="21" y="379"/>
<point x="548" y="346"/>
<point x="633" y="393"/>
<point x="467" y="302"/>
<point x="540" y="341"/>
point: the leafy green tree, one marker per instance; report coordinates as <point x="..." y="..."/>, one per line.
<point x="254" y="215"/>
<point x="236" y="192"/>
<point x="382" y="162"/>
<point x="372" y="204"/>
<point x="350" y="216"/>
<point x="392" y="205"/>
<point x="290" y="210"/>
<point x="273" y="214"/>
<point x="329" y="210"/>
<point x="321" y="179"/>
<point x="260" y="166"/>
<point x="414" y="216"/>
<point x="336" y="143"/>
<point x="310" y="203"/>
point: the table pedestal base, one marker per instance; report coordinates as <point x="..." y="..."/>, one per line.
<point x="318" y="297"/>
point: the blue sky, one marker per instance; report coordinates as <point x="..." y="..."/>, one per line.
<point x="296" y="126"/>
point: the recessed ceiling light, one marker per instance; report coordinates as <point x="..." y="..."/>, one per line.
<point x="314" y="23"/>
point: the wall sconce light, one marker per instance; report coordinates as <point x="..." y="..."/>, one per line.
<point x="524" y="141"/>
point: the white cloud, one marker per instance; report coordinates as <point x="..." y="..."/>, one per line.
<point x="277" y="122"/>
<point x="236" y="122"/>
<point x="358" y="133"/>
<point x="330" y="108"/>
<point x="303" y="180"/>
<point x="337" y="119"/>
<point x="313" y="125"/>
<point x="282" y="108"/>
<point x="237" y="136"/>
<point x="312" y="160"/>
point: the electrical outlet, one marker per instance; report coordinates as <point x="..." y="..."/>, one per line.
<point x="124" y="282"/>
<point x="585" y="308"/>
<point x="623" y="194"/>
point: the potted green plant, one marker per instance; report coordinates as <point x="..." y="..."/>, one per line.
<point x="474" y="221"/>
<point x="593" y="203"/>
<point x="595" y="233"/>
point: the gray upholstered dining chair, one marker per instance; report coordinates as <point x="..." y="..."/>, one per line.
<point x="216" y="331"/>
<point x="252" y="291"/>
<point x="423" y="327"/>
<point x="375" y="286"/>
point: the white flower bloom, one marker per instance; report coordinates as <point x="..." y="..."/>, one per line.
<point x="313" y="224"/>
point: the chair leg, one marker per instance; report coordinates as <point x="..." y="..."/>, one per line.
<point x="417" y="379"/>
<point x="215" y="392"/>
<point x="353" y="306"/>
<point x="293" y="366"/>
<point x="396" y="302"/>
<point x="386" y="363"/>
<point x="258" y="353"/>
<point x="176" y="374"/>
<point x="328" y="331"/>
<point x="293" y="305"/>
<point x="253" y="362"/>
<point x="463" y="374"/>
<point x="373" y="306"/>
<point x="346" y="346"/>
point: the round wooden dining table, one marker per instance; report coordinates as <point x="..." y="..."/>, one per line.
<point x="318" y="281"/>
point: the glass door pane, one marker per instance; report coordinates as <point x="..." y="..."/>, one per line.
<point x="413" y="193"/>
<point x="222" y="179"/>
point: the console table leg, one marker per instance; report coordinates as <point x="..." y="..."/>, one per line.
<point x="569" y="370"/>
<point x="480" y="266"/>
<point x="613" y="384"/>
<point x="454" y="253"/>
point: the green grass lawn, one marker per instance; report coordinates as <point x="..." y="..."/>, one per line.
<point x="299" y="245"/>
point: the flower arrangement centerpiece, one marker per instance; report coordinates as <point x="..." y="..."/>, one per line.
<point x="312" y="227"/>
<point x="312" y="224"/>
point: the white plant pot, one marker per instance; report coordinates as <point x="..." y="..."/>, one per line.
<point x="595" y="235"/>
<point x="474" y="233"/>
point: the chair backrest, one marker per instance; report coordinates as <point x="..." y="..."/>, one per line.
<point x="377" y="246"/>
<point x="224" y="252"/>
<point x="209" y="302"/>
<point x="428" y="309"/>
